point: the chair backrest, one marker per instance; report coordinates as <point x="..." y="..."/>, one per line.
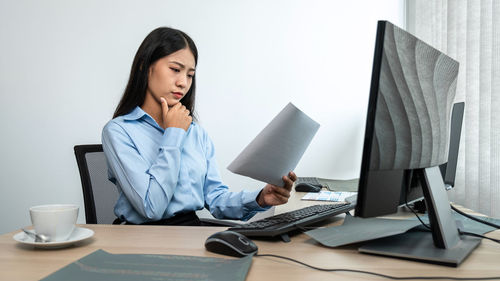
<point x="99" y="194"/>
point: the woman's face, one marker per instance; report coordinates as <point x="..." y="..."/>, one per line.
<point x="170" y="77"/>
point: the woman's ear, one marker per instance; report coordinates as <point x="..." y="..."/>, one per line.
<point x="150" y="70"/>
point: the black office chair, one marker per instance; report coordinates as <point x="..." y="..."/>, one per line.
<point x="99" y="194"/>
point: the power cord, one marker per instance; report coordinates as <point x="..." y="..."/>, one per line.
<point x="379" y="274"/>
<point x="459" y="231"/>
<point x="474" y="218"/>
<point x="478" y="220"/>
<point x="478" y="235"/>
<point x="463" y="214"/>
<point x="415" y="213"/>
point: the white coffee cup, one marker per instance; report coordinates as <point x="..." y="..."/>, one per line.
<point x="57" y="221"/>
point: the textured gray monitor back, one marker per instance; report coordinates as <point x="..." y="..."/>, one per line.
<point x="105" y="192"/>
<point x="416" y="92"/>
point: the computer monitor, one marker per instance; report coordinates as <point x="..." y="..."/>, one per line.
<point x="407" y="131"/>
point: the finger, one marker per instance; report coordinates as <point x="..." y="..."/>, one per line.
<point x="280" y="191"/>
<point x="292" y="176"/>
<point x="164" y="107"/>
<point x="164" y="104"/>
<point x="288" y="183"/>
<point x="177" y="106"/>
<point x="287" y="180"/>
<point x="280" y="199"/>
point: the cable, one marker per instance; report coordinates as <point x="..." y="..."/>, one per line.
<point x="478" y="235"/>
<point x="478" y="220"/>
<point x="379" y="274"/>
<point x="460" y="212"/>
<point x="459" y="231"/>
<point x="415" y="213"/>
<point x="474" y="218"/>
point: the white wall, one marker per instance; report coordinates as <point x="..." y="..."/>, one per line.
<point x="64" y="65"/>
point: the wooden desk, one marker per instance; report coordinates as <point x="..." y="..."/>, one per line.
<point x="20" y="262"/>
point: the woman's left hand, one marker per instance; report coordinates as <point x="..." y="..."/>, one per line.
<point x="273" y="195"/>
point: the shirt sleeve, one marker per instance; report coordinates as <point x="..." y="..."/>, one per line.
<point x="222" y="203"/>
<point x="148" y="186"/>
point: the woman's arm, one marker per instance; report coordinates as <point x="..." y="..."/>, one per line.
<point x="148" y="186"/>
<point x="222" y="203"/>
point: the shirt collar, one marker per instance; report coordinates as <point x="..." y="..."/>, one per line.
<point x="135" y="114"/>
<point x="138" y="114"/>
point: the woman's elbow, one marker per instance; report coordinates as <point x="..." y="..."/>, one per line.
<point x="153" y="215"/>
<point x="153" y="212"/>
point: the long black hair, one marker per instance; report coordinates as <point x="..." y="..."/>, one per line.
<point x="161" y="42"/>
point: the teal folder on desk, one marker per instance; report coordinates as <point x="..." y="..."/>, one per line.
<point x="104" y="266"/>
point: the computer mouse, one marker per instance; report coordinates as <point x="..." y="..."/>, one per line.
<point x="230" y="243"/>
<point x="307" y="187"/>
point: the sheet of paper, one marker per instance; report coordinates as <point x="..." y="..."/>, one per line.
<point x="357" y="229"/>
<point x="277" y="149"/>
<point x="334" y="196"/>
<point x="104" y="266"/>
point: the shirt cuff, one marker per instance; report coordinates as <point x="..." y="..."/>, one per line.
<point x="173" y="137"/>
<point x="250" y="202"/>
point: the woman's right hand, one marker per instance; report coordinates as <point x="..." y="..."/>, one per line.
<point x="177" y="116"/>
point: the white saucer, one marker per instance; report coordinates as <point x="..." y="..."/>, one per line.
<point x="79" y="234"/>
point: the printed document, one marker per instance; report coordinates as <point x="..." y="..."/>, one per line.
<point x="277" y="149"/>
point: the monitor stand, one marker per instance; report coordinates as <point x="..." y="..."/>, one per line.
<point x="442" y="245"/>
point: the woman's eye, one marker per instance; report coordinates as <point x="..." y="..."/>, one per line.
<point x="175" y="69"/>
<point x="190" y="75"/>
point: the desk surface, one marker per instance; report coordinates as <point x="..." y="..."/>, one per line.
<point x="21" y="262"/>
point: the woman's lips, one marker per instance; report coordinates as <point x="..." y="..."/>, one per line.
<point x="178" y="95"/>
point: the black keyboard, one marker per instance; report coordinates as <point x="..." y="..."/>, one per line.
<point x="283" y="223"/>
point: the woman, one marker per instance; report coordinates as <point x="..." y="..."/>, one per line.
<point x="162" y="162"/>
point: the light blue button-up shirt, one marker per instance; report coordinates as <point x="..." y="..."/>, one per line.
<point x="160" y="173"/>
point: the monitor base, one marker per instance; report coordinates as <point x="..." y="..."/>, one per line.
<point x="419" y="246"/>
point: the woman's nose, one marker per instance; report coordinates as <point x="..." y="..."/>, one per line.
<point x="182" y="82"/>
